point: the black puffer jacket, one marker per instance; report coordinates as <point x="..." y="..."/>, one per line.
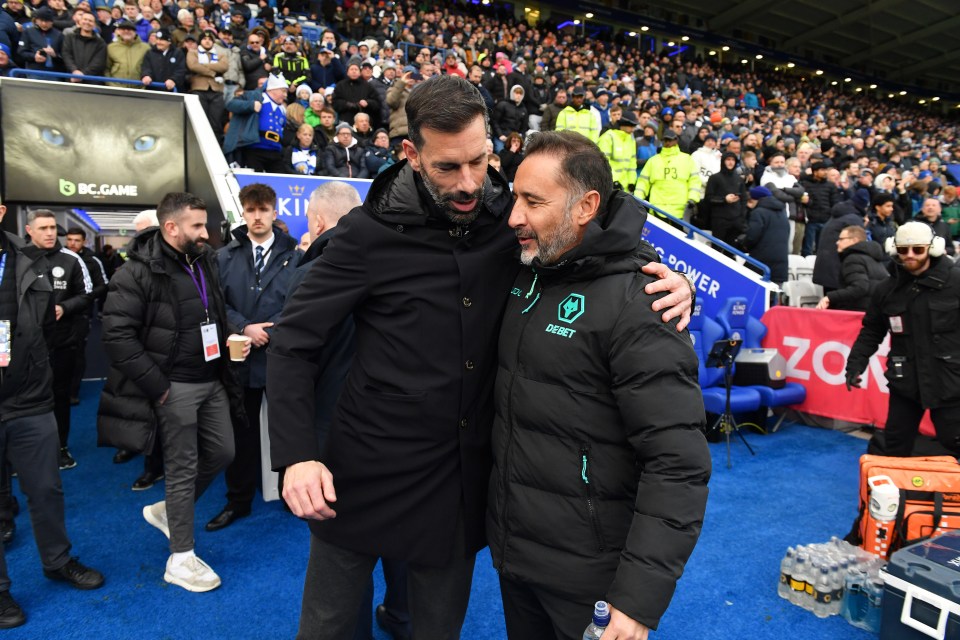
<point x="823" y="195"/>
<point x="929" y="314"/>
<point x="826" y="270"/>
<point x="861" y="270"/>
<point x="140" y="327"/>
<point x="26" y="384"/>
<point x="600" y="470"/>
<point x="768" y="237"/>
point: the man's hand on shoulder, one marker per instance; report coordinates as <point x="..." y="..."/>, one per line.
<point x="623" y="627"/>
<point x="680" y="299"/>
<point x="308" y="490"/>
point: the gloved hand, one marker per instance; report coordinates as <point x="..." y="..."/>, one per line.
<point x="853" y="379"/>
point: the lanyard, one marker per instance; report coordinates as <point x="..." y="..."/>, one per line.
<point x="201" y="286"/>
<point x="3" y="265"/>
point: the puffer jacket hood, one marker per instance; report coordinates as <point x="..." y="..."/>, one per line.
<point x="519" y="88"/>
<point x="147" y="247"/>
<point x="866" y="247"/>
<point x="723" y="164"/>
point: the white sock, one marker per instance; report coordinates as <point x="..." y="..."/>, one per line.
<point x="178" y="558"/>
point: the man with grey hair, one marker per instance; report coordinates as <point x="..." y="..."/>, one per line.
<point x="145" y="219"/>
<point x="424" y="268"/>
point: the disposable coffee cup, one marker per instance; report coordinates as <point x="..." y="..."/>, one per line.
<point x="236" y="343"/>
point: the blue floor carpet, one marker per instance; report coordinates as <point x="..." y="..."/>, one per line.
<point x="801" y="487"/>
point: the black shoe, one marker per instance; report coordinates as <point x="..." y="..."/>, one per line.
<point x="226" y="517"/>
<point x="66" y="460"/>
<point x="396" y="630"/>
<point x="146" y="480"/>
<point x="7" y="529"/>
<point x="11" y="615"/>
<point x="77" y="575"/>
<point x="122" y="455"/>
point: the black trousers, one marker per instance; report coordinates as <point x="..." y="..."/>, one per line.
<point x="64" y="361"/>
<point x="903" y="424"/>
<point x="31" y="445"/>
<point x="263" y="161"/>
<point x="337" y="579"/>
<point x="534" y="613"/>
<point x="243" y="474"/>
<point x="213" y="107"/>
<point x="79" y="367"/>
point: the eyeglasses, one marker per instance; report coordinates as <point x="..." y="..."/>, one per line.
<point x="916" y="250"/>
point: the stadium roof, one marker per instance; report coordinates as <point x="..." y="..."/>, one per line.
<point x="912" y="43"/>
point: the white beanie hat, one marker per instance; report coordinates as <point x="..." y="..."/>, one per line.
<point x="276" y="82"/>
<point x="913" y="234"/>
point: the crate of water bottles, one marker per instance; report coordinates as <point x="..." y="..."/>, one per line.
<point x="834" y="578"/>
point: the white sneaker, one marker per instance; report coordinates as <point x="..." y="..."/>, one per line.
<point x="193" y="574"/>
<point x="156" y="514"/>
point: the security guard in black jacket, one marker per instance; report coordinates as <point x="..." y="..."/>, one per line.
<point x="920" y="307"/>
<point x="599" y="482"/>
<point x="72" y="288"/>
<point x="28" y="431"/>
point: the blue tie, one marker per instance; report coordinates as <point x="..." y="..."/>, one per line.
<point x="258" y="264"/>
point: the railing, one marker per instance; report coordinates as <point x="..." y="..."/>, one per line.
<point x="692" y="230"/>
<point x="36" y="74"/>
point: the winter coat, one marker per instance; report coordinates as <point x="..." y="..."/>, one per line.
<point x="140" y="323"/>
<point x="126" y="60"/>
<point x="344" y="162"/>
<point x="253" y="68"/>
<point x="397" y="99"/>
<point x="375" y="157"/>
<point x="322" y="76"/>
<point x="826" y="269"/>
<point x="88" y="55"/>
<point x="508" y="116"/>
<point x="940" y="228"/>
<point x="861" y="270"/>
<point x="245" y="303"/>
<point x="410" y="441"/>
<point x="599" y="483"/>
<point x="787" y="190"/>
<point x="26" y="385"/>
<point x="208" y="76"/>
<point x="823" y="195"/>
<point x="550" y="113"/>
<point x="669" y="180"/>
<point x="347" y="96"/>
<point x="32" y="40"/>
<point x="719" y="185"/>
<point x="244" y="127"/>
<point x="162" y="67"/>
<point x="926" y="309"/>
<point x="768" y="235"/>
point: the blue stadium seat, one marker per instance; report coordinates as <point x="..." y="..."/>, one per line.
<point x="704" y="332"/>
<point x="736" y="322"/>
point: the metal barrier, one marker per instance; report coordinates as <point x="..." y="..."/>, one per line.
<point x="692" y="230"/>
<point x="35" y="74"/>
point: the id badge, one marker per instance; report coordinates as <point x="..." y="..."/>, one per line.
<point x="896" y="324"/>
<point x="211" y="343"/>
<point x="5" y="343"/>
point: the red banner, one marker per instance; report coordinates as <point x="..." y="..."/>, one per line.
<point x="816" y="345"/>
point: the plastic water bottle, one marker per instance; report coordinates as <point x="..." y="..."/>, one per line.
<point x="798" y="580"/>
<point x="601" y="618"/>
<point x="822" y="590"/>
<point x="874" y="604"/>
<point x="836" y="584"/>
<point x="786" y="571"/>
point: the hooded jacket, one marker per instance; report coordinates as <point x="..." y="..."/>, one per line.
<point x="510" y="115"/>
<point x="344" y="162"/>
<point x="719" y="185"/>
<point x="826" y="269"/>
<point x="768" y="234"/>
<point x="669" y="180"/>
<point x="861" y="270"/>
<point x="600" y="473"/>
<point x="409" y="445"/>
<point x="346" y="98"/>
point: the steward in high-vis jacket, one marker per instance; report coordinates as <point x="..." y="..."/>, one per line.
<point x="920" y="307"/>
<point x="600" y="474"/>
<point x="670" y="180"/>
<point x="578" y="116"/>
<point x="620" y="147"/>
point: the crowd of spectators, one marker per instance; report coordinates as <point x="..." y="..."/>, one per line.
<point x="344" y="93"/>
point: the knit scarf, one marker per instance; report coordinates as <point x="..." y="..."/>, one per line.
<point x="206" y="57"/>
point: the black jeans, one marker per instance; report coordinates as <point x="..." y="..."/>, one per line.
<point x="903" y="424"/>
<point x="534" y="613"/>
<point x="337" y="580"/>
<point x="32" y="446"/>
